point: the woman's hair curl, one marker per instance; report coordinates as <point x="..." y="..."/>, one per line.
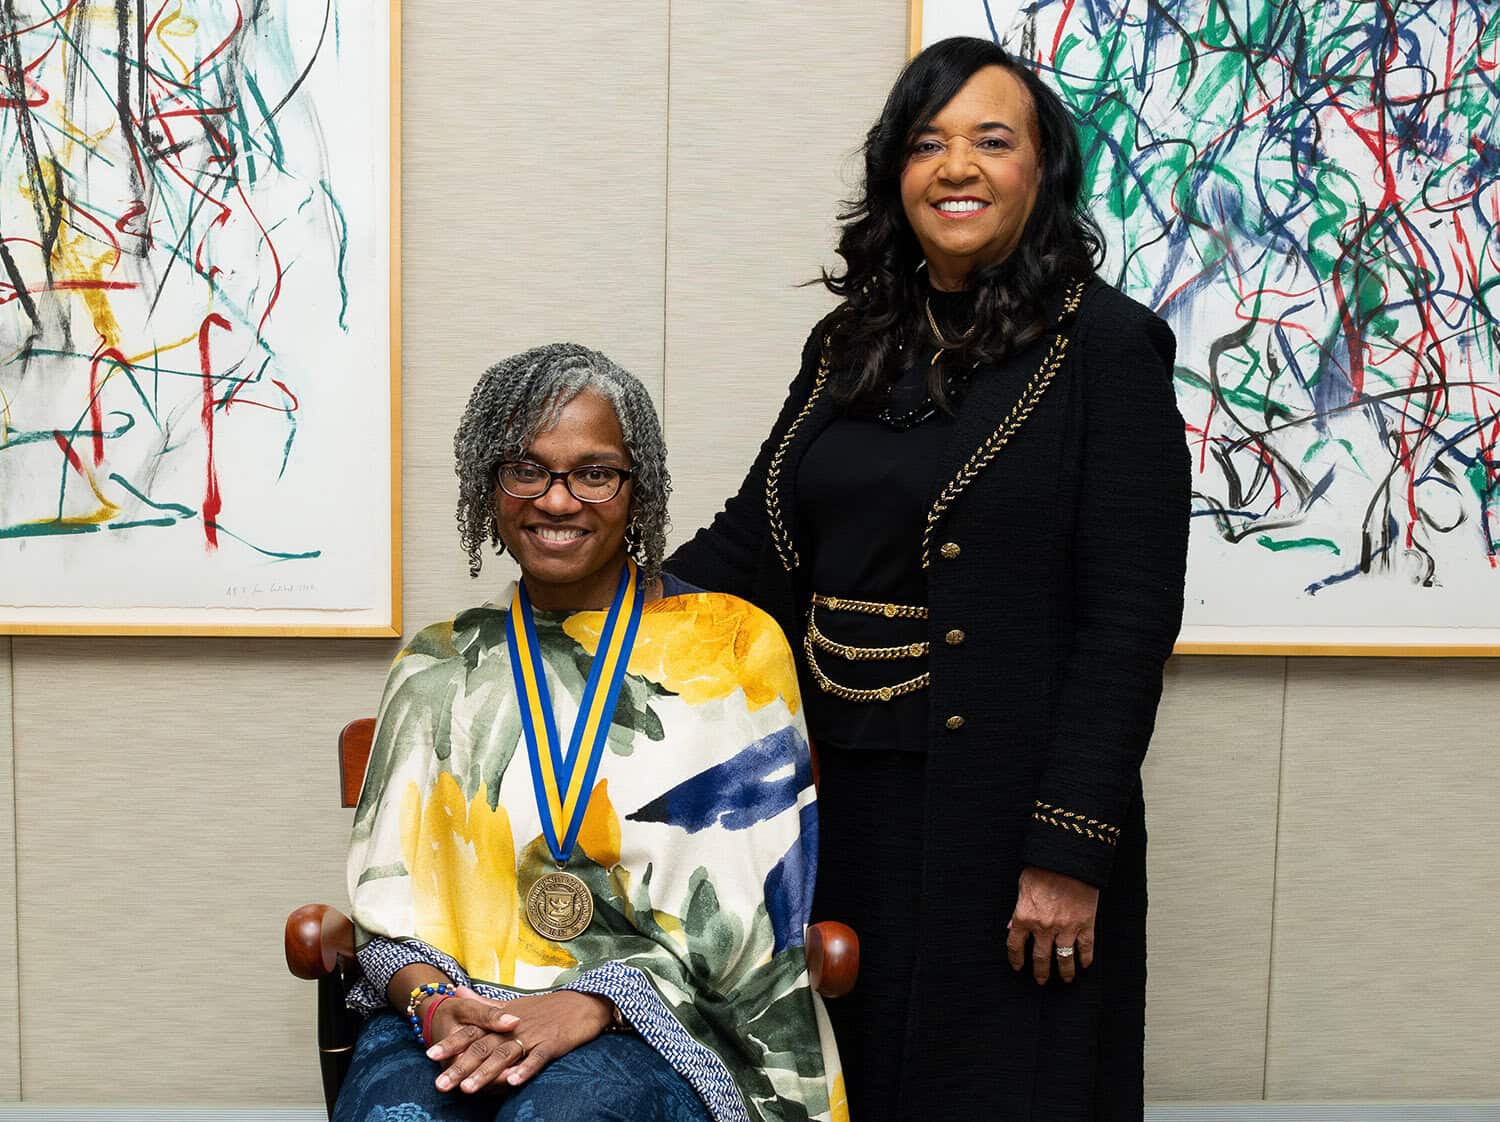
<point x="881" y="284"/>
<point x="522" y="396"/>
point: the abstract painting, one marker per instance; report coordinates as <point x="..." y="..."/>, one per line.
<point x="196" y="381"/>
<point x="1310" y="195"/>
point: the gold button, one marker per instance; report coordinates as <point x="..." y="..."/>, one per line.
<point x="954" y="637"/>
<point x="949" y="550"/>
<point x="955" y="722"/>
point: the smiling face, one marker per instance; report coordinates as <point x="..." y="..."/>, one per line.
<point x="570" y="552"/>
<point x="972" y="178"/>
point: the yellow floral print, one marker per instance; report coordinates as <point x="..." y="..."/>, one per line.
<point x="703" y="647"/>
<point x="839" y="1101"/>
<point x="462" y="860"/>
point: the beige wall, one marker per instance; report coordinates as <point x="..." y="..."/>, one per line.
<point x="653" y="179"/>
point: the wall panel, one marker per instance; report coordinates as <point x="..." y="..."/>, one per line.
<point x="175" y="800"/>
<point x="1384" y="976"/>
<point x="1211" y="780"/>
<point x="535" y="164"/>
<point x="10" y="1043"/>
<point x="768" y="104"/>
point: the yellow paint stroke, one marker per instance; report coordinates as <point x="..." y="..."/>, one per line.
<point x="160" y="349"/>
<point x="188" y="30"/>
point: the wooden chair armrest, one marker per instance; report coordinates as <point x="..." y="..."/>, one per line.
<point x="832" y="958"/>
<point x="317" y="936"/>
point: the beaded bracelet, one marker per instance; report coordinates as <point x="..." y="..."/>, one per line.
<point x="427" y="989"/>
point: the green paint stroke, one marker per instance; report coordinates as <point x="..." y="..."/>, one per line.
<point x="1296" y="543"/>
<point x="275" y="556"/>
<point x="48" y="529"/>
<point x="343" y="254"/>
<point x="176" y="508"/>
<point x="143" y="522"/>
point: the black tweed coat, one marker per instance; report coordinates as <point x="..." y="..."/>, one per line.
<point x="1055" y="565"/>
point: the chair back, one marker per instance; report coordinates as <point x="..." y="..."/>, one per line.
<point x="354" y="757"/>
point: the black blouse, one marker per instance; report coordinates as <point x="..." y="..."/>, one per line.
<point x="863" y="491"/>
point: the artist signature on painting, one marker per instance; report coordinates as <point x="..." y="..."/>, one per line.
<point x="274" y="588"/>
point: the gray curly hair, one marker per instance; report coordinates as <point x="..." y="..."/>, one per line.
<point x="522" y="396"/>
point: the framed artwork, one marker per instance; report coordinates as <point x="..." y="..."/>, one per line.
<point x="1309" y="194"/>
<point x="199" y="317"/>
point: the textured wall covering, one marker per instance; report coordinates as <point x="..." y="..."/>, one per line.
<point x="10" y="1059"/>
<point x="1211" y="780"/>
<point x="653" y="180"/>
<point x="768" y="106"/>
<point x="1384" y="976"/>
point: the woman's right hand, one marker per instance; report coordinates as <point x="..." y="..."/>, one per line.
<point x="484" y="1048"/>
<point x="468" y="1031"/>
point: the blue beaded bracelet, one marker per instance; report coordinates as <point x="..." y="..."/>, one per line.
<point x="426" y="989"/>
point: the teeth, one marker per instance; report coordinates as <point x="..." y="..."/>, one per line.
<point x="960" y="206"/>
<point x="550" y="535"/>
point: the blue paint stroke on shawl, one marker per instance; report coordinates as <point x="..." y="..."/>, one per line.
<point x="739" y="792"/>
<point x="789" y="886"/>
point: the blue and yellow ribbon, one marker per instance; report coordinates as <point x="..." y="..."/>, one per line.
<point x="563" y="783"/>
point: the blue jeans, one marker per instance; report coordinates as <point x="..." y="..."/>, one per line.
<point x="616" y="1077"/>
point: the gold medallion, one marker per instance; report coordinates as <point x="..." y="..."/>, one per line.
<point x="559" y="906"/>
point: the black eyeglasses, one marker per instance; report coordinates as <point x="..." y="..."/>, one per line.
<point x="591" y="483"/>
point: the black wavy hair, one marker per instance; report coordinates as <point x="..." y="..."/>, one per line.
<point x="882" y="286"/>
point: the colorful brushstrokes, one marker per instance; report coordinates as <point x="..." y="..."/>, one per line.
<point x="164" y="183"/>
<point x="1310" y="194"/>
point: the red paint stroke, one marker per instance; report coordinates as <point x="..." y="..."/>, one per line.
<point x="284" y="410"/>
<point x="67" y="449"/>
<point x="34" y="99"/>
<point x="136" y="210"/>
<point x="211" y="501"/>
<point x="275" y="296"/>
<point x="96" y="406"/>
<point x="83" y="286"/>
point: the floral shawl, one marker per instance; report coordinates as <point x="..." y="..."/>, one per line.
<point x="699" y="844"/>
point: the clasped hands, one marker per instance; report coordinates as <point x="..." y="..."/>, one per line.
<point x="485" y="1042"/>
<point x="1053" y="910"/>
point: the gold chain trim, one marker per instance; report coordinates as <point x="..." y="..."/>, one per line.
<point x="861" y="654"/>
<point x="780" y="537"/>
<point x="870" y="607"/>
<point x="998" y="439"/>
<point x="884" y="693"/>
<point x="1078" y="823"/>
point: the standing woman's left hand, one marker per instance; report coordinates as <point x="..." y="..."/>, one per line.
<point x="1053" y="910"/>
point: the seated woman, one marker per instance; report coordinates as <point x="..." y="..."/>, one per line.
<point x="583" y="858"/>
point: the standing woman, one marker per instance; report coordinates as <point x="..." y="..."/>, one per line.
<point x="971" y="518"/>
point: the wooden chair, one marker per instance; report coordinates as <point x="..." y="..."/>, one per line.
<point x="320" y="941"/>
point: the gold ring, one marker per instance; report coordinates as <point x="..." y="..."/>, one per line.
<point x="520" y="1044"/>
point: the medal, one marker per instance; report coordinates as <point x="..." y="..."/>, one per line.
<point x="559" y="905"/>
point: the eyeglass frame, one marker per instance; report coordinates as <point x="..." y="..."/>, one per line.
<point x="625" y="474"/>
